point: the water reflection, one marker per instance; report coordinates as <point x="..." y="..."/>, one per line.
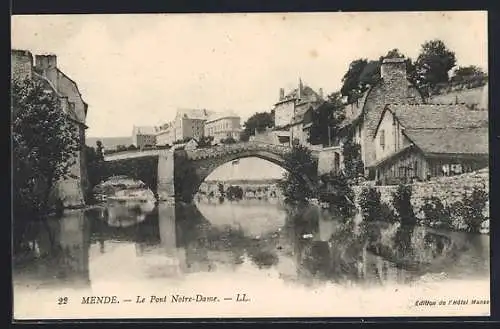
<point x="124" y="242"/>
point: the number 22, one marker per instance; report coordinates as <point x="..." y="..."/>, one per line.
<point x="62" y="300"/>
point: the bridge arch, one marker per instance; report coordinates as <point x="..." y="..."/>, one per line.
<point x="203" y="165"/>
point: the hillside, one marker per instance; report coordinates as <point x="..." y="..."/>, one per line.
<point x="474" y="96"/>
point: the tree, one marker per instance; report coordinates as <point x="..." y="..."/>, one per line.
<point x="228" y="140"/>
<point x="257" y="122"/>
<point x="326" y="119"/>
<point x="293" y="187"/>
<point x="205" y="141"/>
<point x="433" y="64"/>
<point x="350" y="80"/>
<point x="363" y="73"/>
<point x="468" y="74"/>
<point x="121" y="148"/>
<point x="336" y="190"/>
<point x="353" y="164"/>
<point x="99" y="150"/>
<point x="45" y="144"/>
<point x="220" y="187"/>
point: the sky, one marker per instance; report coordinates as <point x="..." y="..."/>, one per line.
<point x="138" y="69"/>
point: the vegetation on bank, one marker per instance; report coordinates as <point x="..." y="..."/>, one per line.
<point x="301" y="183"/>
<point x="463" y="215"/>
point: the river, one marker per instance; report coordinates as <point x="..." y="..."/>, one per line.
<point x="287" y="261"/>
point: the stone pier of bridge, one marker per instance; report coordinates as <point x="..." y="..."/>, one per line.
<point x="166" y="181"/>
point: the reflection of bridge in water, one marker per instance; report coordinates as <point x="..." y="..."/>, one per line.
<point x="175" y="240"/>
<point x="171" y="167"/>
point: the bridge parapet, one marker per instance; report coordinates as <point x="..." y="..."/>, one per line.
<point x="221" y="150"/>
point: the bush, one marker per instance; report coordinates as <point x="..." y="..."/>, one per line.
<point x="402" y="204"/>
<point x="353" y="165"/>
<point x="387" y="214"/>
<point x="436" y="214"/>
<point x="335" y="190"/>
<point x="373" y="208"/>
<point x="473" y="209"/>
<point x="369" y="201"/>
<point x="228" y="140"/>
<point x="301" y="164"/>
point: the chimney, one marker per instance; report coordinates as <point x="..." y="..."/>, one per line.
<point x="46" y="65"/>
<point x="300" y="89"/>
<point x="393" y="68"/>
<point x="45" y="62"/>
<point x="282" y="94"/>
<point x="321" y="93"/>
<point x="393" y="74"/>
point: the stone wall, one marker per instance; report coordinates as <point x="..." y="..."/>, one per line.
<point x="447" y="189"/>
<point x="326" y="159"/>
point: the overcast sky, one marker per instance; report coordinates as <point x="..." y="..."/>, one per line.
<point x="138" y="69"/>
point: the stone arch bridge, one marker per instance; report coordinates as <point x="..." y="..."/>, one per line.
<point x="179" y="173"/>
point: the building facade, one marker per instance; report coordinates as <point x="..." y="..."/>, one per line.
<point x="144" y="136"/>
<point x="190" y="123"/>
<point x="166" y="134"/>
<point x="222" y="126"/>
<point x="417" y="142"/>
<point x="70" y="191"/>
<point x="291" y="109"/>
<point x="363" y="115"/>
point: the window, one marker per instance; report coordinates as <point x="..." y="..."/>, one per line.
<point x="382" y="139"/>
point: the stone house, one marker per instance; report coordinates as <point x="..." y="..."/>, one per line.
<point x="362" y="116"/>
<point x="190" y="123"/>
<point x="144" y="136"/>
<point x="70" y="191"/>
<point x="291" y="109"/>
<point x="223" y="125"/>
<point x="166" y="134"/>
<point x="420" y="141"/>
<point x="190" y="145"/>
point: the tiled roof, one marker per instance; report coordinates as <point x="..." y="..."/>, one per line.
<point x="145" y="130"/>
<point x="308" y="94"/>
<point x="197" y="114"/>
<point x="450" y="140"/>
<point x="432" y="116"/>
<point x="219" y="115"/>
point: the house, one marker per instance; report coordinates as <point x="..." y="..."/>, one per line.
<point x="144" y="136"/>
<point x="421" y="141"/>
<point x="363" y="115"/>
<point x="291" y="109"/>
<point x="190" y="123"/>
<point x="70" y="191"/>
<point x="166" y="134"/>
<point x="223" y="125"/>
<point x="190" y="145"/>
